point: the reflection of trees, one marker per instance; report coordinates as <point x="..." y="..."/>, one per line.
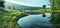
<point x="55" y="15"/>
<point x="56" y="19"/>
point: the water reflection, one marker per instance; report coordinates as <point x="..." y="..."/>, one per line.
<point x="33" y="21"/>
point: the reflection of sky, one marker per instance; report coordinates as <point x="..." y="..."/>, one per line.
<point x="31" y="20"/>
<point x="35" y="2"/>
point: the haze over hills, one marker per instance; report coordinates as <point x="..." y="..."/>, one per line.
<point x="20" y="7"/>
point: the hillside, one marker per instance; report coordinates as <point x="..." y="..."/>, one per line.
<point x="20" y="7"/>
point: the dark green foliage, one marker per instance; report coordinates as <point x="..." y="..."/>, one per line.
<point x="55" y="4"/>
<point x="1" y="3"/>
<point x="44" y="6"/>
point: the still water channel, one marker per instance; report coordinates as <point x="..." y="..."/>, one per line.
<point x="32" y="21"/>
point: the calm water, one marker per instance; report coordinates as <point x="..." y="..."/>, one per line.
<point x="32" y="20"/>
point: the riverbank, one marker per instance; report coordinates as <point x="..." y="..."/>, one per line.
<point x="9" y="18"/>
<point x="40" y="11"/>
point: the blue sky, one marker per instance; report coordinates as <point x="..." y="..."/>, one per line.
<point x="37" y="3"/>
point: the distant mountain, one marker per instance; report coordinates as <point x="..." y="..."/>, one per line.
<point x="20" y="7"/>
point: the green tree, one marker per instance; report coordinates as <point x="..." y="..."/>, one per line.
<point x="44" y="6"/>
<point x="55" y="4"/>
<point x="1" y="3"/>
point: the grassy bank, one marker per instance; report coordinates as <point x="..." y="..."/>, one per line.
<point x="8" y="19"/>
<point x="40" y="11"/>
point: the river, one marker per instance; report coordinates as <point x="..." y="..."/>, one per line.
<point x="32" y="21"/>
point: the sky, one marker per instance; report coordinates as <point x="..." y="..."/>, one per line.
<point x="38" y="3"/>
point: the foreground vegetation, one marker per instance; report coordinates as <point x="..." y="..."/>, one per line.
<point x="8" y="19"/>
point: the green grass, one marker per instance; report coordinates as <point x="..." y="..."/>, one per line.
<point x="9" y="18"/>
<point x="40" y="11"/>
